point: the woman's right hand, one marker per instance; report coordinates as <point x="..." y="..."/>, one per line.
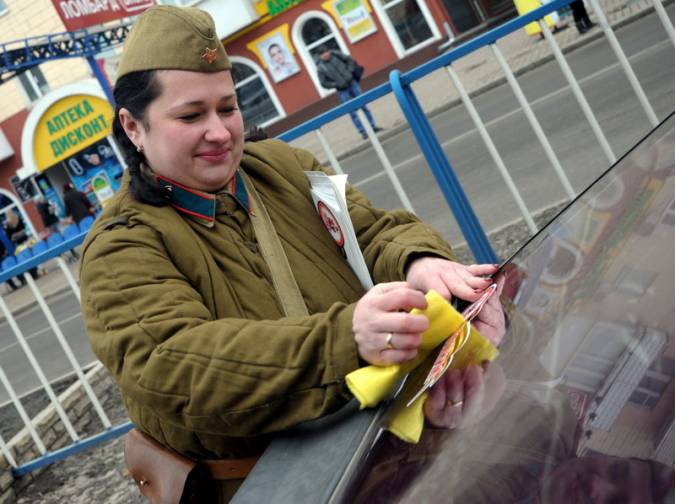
<point x="383" y="311"/>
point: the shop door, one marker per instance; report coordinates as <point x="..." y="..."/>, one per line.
<point x="463" y="14"/>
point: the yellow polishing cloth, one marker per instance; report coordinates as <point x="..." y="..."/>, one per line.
<point x="372" y="384"/>
<point x="407" y="422"/>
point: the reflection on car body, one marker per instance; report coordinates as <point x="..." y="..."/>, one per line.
<point x="587" y="413"/>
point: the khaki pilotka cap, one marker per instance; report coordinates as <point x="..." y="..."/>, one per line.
<point x="173" y="38"/>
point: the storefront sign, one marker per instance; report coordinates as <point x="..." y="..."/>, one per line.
<point x="275" y="7"/>
<point x="68" y="126"/>
<point x="356" y="20"/>
<point x="77" y="14"/>
<point x="100" y="184"/>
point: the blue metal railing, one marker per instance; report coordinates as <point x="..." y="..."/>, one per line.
<point x="41" y="258"/>
<point x="18" y="55"/>
<point x="78" y="446"/>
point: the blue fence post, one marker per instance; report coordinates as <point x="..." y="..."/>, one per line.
<point x="442" y="170"/>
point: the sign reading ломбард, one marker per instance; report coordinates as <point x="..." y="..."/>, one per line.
<point x="77" y="14"/>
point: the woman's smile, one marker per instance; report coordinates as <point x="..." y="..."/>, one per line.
<point x="214" y="156"/>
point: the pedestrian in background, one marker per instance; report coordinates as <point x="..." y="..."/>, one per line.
<point x="4" y="252"/>
<point x="77" y="204"/>
<point x="340" y="72"/>
<point x="581" y="19"/>
<point x="15" y="229"/>
<point x="48" y="214"/>
<point x="51" y="221"/>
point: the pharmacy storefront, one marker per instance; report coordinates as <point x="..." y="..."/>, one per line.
<point x="67" y="139"/>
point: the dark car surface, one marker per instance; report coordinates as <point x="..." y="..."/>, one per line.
<point x="584" y="410"/>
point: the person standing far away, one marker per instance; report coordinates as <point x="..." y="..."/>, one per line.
<point x="15" y="229"/>
<point x="51" y="221"/>
<point x="46" y="210"/>
<point x="581" y="19"/>
<point x="336" y="71"/>
<point x="77" y="204"/>
<point x="4" y="252"/>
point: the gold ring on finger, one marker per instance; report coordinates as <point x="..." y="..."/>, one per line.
<point x="454" y="404"/>
<point x="387" y="342"/>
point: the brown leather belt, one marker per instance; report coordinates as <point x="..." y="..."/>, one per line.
<point x="230" y="469"/>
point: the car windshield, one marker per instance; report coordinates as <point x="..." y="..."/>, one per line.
<point x="580" y="404"/>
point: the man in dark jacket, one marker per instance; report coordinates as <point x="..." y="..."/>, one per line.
<point x="51" y="221"/>
<point x="336" y="71"/>
<point x="77" y="204"/>
<point x="4" y="252"/>
<point x="46" y="210"/>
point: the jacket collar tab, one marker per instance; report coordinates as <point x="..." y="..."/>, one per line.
<point x="238" y="190"/>
<point x="189" y="201"/>
<point x="199" y="204"/>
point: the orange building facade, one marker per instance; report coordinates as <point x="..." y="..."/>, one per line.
<point x="379" y="34"/>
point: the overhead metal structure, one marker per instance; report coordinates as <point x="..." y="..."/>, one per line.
<point x="20" y="55"/>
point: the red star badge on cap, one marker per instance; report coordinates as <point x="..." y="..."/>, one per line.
<point x="210" y="55"/>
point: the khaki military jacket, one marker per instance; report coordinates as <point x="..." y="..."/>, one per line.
<point x="186" y="318"/>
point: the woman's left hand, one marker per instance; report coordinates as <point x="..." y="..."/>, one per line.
<point x="449" y="278"/>
<point x="461" y="398"/>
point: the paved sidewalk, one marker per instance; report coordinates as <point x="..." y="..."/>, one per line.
<point x="478" y="71"/>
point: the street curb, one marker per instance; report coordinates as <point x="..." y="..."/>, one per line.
<point x="576" y="44"/>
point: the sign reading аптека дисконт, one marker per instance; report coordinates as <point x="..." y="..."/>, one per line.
<point x="68" y="126"/>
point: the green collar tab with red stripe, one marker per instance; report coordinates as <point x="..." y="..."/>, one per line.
<point x="199" y="204"/>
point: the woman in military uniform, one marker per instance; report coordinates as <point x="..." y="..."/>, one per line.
<point x="179" y="301"/>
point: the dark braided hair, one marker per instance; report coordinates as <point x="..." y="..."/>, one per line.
<point x="134" y="92"/>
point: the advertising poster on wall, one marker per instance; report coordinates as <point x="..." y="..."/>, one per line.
<point x="96" y="171"/>
<point x="278" y="57"/>
<point x="25" y="189"/>
<point x="355" y="18"/>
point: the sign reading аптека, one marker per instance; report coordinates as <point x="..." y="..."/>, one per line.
<point x="87" y="128"/>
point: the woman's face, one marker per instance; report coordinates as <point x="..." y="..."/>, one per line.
<point x="195" y="132"/>
<point x="277" y="55"/>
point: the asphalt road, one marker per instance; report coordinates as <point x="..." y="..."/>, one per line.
<point x="653" y="58"/>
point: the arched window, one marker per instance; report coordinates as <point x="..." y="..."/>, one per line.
<point x="408" y="24"/>
<point x="311" y="31"/>
<point x="257" y="100"/>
